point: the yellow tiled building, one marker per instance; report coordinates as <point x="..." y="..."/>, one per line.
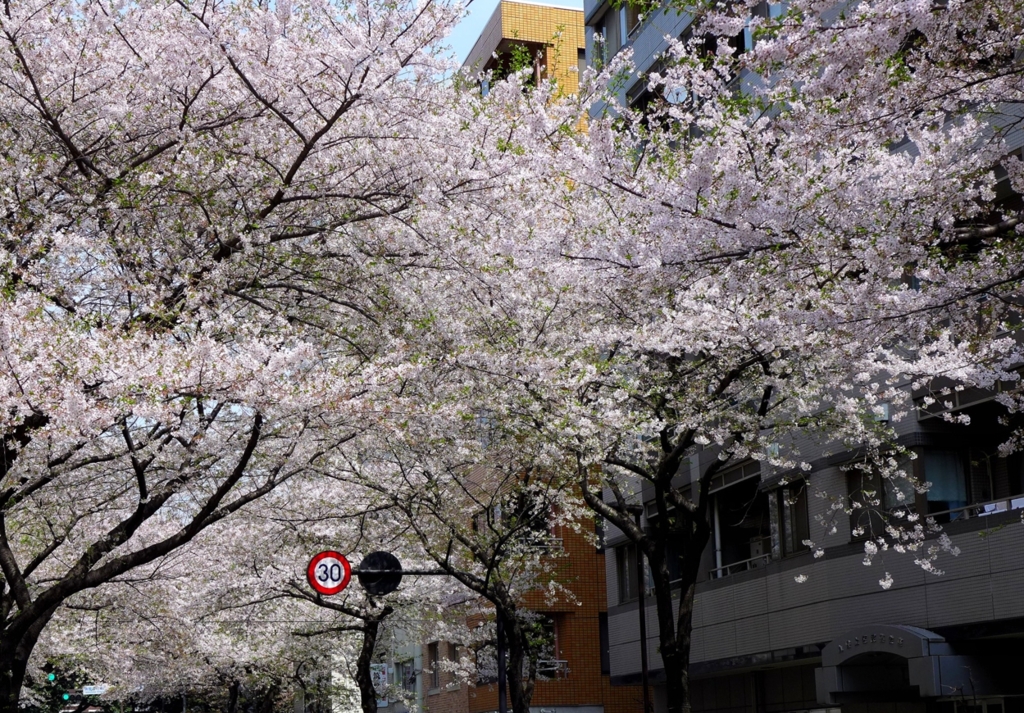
<point x="553" y="35"/>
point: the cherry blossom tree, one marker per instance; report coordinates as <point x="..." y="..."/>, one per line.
<point x="191" y="289"/>
<point x="480" y="510"/>
<point x="232" y="613"/>
<point x="240" y="240"/>
<point x="806" y="233"/>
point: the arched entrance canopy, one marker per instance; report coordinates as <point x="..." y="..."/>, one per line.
<point x="905" y="641"/>
<point x="892" y="662"/>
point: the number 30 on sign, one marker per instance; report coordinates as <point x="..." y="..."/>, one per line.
<point x="329" y="573"/>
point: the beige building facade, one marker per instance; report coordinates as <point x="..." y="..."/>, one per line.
<point x="551" y="36"/>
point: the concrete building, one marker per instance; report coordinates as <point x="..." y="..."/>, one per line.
<point x="764" y="642"/>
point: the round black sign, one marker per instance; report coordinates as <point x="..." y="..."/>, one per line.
<point x="387" y="573"/>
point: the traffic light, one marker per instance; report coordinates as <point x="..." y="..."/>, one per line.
<point x="51" y="677"/>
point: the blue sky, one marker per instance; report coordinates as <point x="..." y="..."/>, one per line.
<point x="465" y="35"/>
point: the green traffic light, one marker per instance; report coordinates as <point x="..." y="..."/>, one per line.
<point x="51" y="676"/>
<point x="67" y="696"/>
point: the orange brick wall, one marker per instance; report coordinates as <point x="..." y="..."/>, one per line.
<point x="581" y="570"/>
<point x="450" y="696"/>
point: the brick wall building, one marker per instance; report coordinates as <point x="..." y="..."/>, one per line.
<point x="577" y="678"/>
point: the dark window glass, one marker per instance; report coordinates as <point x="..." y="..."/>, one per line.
<point x="945" y="471"/>
<point x="606" y="657"/>
<point x="433" y="661"/>
<point x="791" y="501"/>
<point x="625" y="563"/>
<point x="744" y="524"/>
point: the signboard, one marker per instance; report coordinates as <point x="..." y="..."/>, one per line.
<point x="329" y="572"/>
<point x="379" y="677"/>
<point x="95" y="690"/>
<point x="380" y="573"/>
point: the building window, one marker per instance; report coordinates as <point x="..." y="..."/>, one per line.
<point x="405" y="676"/>
<point x="635" y="14"/>
<point x="485" y="423"/>
<point x="434" y="664"/>
<point x="521" y="516"/>
<point x="670" y="548"/>
<point x="945" y="471"/>
<point x="606" y="655"/>
<point x="791" y="509"/>
<point x="486" y="660"/>
<point x="1015" y="473"/>
<point x="611" y="37"/>
<point x="550" y="664"/>
<point x="599" y="533"/>
<point x="872" y="497"/>
<point x="770" y="10"/>
<point x="625" y="567"/>
<point x="950" y="491"/>
<point x="764" y="9"/>
<point x="742" y="524"/>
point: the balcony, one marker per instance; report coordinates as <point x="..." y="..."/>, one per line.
<point x="553" y="669"/>
<point x="742" y="566"/>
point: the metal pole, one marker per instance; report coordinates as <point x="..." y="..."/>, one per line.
<point x="502" y="703"/>
<point x="421" y="572"/>
<point x="718" y="541"/>
<point x="642" y="586"/>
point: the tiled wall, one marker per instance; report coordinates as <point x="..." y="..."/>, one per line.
<point x="559" y="30"/>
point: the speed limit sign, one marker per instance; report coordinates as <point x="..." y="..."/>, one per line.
<point x="329" y="572"/>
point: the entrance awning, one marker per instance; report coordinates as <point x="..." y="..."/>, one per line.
<point x="900" y="663"/>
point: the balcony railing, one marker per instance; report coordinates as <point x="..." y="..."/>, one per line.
<point x="548" y="544"/>
<point x="741" y="566"/>
<point x="979" y="509"/>
<point x="553" y="668"/>
<point x="635" y="30"/>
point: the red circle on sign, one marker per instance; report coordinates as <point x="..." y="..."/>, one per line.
<point x="329" y="572"/>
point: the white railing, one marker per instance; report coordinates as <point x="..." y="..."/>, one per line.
<point x="982" y="509"/>
<point x="990" y="507"/>
<point x="741" y="566"/>
<point x="550" y="544"/>
<point x="553" y="668"/>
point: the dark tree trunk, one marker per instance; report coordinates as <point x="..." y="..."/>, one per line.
<point x="520" y="686"/>
<point x="364" y="679"/>
<point x="367" y="693"/>
<point x="12" y="677"/>
<point x="269" y="699"/>
<point x="684" y="524"/>
<point x="233" y="697"/>
<point x="674" y="633"/>
<point x="15" y="652"/>
<point x="668" y="641"/>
